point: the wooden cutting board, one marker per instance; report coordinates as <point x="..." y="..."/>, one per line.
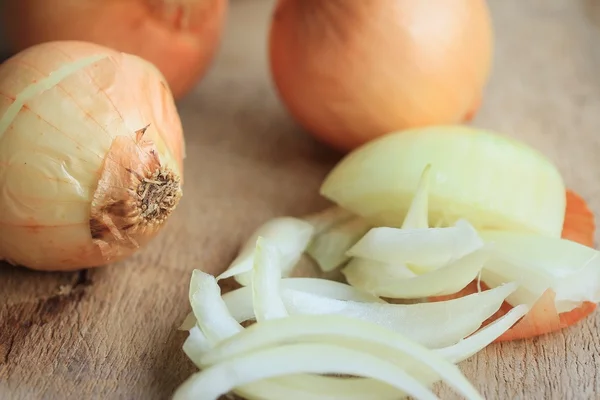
<point x="110" y="333"/>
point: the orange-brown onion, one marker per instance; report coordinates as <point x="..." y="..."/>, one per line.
<point x="91" y="156"/>
<point x="352" y="70"/>
<point x="180" y="37"/>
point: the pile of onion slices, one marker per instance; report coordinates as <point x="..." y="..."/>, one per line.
<point x="310" y="333"/>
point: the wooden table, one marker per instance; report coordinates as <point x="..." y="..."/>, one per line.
<point x="110" y="333"/>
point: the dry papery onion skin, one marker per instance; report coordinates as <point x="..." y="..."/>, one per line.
<point x="486" y="178"/>
<point x="180" y="37"/>
<point x="91" y="155"/>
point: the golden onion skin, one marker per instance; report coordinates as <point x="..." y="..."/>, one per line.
<point x="82" y="129"/>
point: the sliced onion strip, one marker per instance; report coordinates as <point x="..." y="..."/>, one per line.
<point x="426" y="249"/>
<point x="446" y="280"/>
<point x="338" y="330"/>
<point x="196" y="345"/>
<point x="417" y="216"/>
<point x="290" y="235"/>
<point x="211" y="312"/>
<point x="266" y="301"/>
<point x="540" y="263"/>
<point x="483" y="337"/>
<point x="221" y="378"/>
<point x="434" y="325"/>
<point x="329" y="248"/>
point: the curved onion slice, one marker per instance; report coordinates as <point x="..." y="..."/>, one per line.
<point x="476" y="175"/>
<point x="317" y="286"/>
<point x="426" y="249"/>
<point x="417" y="216"/>
<point x="290" y="235"/>
<point x="221" y="378"/>
<point x="211" y="312"/>
<point x="329" y="248"/>
<point x="266" y="276"/>
<point x="327" y="288"/>
<point x="434" y="324"/>
<point x="483" y="337"/>
<point x="341" y="331"/>
<point x="539" y="263"/>
<point x="370" y="272"/>
<point x="196" y="345"/>
<point x="305" y="387"/>
<point x="324" y="220"/>
<point x="386" y="282"/>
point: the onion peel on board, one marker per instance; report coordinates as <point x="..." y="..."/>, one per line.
<point x="543" y="317"/>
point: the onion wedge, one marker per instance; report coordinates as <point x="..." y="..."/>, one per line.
<point x="290" y="235"/>
<point x="434" y="325"/>
<point x="476" y="175"/>
<point x="446" y="280"/>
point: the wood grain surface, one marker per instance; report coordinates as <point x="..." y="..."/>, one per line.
<point x="110" y="333"/>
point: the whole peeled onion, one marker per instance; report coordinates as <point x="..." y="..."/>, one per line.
<point x="352" y="70"/>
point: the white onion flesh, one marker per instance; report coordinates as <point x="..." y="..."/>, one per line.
<point x="317" y="286"/>
<point x="290" y="235"/>
<point x="539" y="263"/>
<point x="311" y="387"/>
<point x="329" y="248"/>
<point x="483" y="337"/>
<point x="211" y="312"/>
<point x="425" y="249"/>
<point x="308" y="326"/>
<point x="484" y="177"/>
<point x="266" y="276"/>
<point x="196" y="345"/>
<point x="417" y="216"/>
<point x="434" y="325"/>
<point x="371" y="272"/>
<point x="443" y="281"/>
<point x="223" y="326"/>
<point x="324" y="220"/>
<point x="343" y="332"/>
<point x="221" y="378"/>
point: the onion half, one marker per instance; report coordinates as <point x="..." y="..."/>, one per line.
<point x="476" y="175"/>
